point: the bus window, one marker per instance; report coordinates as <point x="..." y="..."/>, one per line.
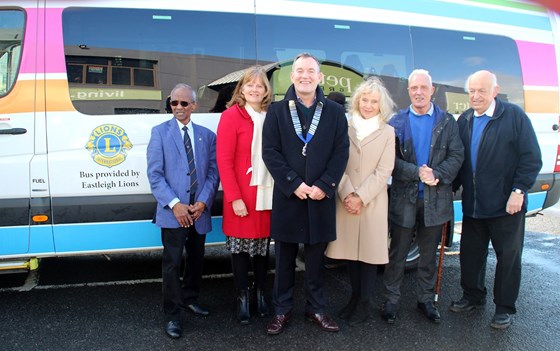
<point x="130" y="61"/>
<point x="11" y="35"/>
<point x="358" y="49"/>
<point x="451" y="56"/>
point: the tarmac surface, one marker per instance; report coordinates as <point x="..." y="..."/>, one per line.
<point x="114" y="303"/>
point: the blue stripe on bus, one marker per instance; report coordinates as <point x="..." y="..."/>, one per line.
<point x="14" y="240"/>
<point x="126" y="235"/>
<point x="119" y="235"/>
<point x="453" y="10"/>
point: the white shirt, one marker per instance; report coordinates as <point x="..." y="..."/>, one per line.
<point x="191" y="135"/>
<point x="489" y="112"/>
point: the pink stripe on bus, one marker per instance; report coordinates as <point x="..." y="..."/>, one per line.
<point x="33" y="48"/>
<point x="538" y="63"/>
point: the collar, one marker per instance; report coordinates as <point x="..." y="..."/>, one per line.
<point x="181" y="125"/>
<point x="489" y="112"/>
<point x="312" y="102"/>
<point x="429" y="113"/>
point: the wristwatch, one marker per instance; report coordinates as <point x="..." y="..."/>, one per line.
<point x="518" y="191"/>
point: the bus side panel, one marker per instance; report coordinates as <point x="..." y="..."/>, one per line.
<point x="117" y="236"/>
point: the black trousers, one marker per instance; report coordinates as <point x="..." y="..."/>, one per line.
<point x="401" y="238"/>
<point x="284" y="280"/>
<point x="241" y="266"/>
<point x="506" y="234"/>
<point x="175" y="293"/>
<point x="362" y="279"/>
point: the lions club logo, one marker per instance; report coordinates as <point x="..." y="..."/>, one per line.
<point x="108" y="145"/>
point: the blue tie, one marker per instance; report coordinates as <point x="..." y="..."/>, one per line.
<point x="190" y="159"/>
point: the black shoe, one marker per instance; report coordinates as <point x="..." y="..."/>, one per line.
<point x="197" y="309"/>
<point x="361" y="313"/>
<point x="347" y="311"/>
<point x="389" y="312"/>
<point x="262" y="307"/>
<point x="501" y="321"/>
<point x="173" y="329"/>
<point x="465" y="305"/>
<point x="430" y="311"/>
<point x="243" y="315"/>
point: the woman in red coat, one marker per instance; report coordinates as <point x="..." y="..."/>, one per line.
<point x="247" y="186"/>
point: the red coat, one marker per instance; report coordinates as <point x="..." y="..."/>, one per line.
<point x="233" y="153"/>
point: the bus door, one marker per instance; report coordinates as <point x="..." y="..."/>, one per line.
<point x="17" y="128"/>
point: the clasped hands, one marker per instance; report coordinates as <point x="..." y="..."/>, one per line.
<point x="426" y="175"/>
<point x="353" y="203"/>
<point x="305" y="191"/>
<point x="187" y="214"/>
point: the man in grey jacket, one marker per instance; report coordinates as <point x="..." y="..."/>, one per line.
<point x="429" y="154"/>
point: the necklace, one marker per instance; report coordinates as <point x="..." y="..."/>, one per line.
<point x="312" y="128"/>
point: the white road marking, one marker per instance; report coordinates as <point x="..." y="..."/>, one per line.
<point x="32" y="281"/>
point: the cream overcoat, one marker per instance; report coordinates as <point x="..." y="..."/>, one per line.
<point x="363" y="237"/>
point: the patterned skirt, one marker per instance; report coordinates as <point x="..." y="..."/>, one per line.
<point x="251" y="246"/>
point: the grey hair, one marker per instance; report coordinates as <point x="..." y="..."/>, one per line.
<point x="420" y="72"/>
<point x="492" y="76"/>
<point x="184" y="86"/>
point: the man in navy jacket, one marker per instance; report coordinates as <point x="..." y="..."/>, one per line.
<point x="305" y="148"/>
<point x="502" y="161"/>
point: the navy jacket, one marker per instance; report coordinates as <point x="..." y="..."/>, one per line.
<point x="305" y="221"/>
<point x="508" y="157"/>
<point x="446" y="157"/>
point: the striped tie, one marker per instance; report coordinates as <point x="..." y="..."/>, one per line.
<point x="190" y="158"/>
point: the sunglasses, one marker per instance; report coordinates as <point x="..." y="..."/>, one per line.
<point x="177" y="102"/>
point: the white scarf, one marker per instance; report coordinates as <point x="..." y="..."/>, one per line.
<point x="364" y="127"/>
<point x="261" y="177"/>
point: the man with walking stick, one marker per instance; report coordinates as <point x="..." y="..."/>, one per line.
<point x="429" y="154"/>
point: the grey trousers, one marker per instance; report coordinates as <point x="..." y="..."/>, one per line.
<point x="426" y="274"/>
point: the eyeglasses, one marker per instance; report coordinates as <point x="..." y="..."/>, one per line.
<point x="177" y="102"/>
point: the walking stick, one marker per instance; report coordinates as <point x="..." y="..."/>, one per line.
<point x="440" y="266"/>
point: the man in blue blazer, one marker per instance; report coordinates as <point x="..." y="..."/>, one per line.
<point x="184" y="194"/>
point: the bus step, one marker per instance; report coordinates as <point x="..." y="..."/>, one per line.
<point x="17" y="266"/>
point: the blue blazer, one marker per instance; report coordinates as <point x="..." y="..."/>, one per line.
<point x="168" y="172"/>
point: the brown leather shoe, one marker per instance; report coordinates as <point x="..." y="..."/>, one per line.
<point x="277" y="323"/>
<point x="323" y="320"/>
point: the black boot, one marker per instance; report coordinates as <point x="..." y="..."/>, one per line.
<point x="243" y="306"/>
<point x="347" y="311"/>
<point x="361" y="313"/>
<point x="262" y="306"/>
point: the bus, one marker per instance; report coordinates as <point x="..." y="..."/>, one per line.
<point x="83" y="82"/>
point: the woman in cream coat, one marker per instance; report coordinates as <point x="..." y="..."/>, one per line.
<point x="362" y="206"/>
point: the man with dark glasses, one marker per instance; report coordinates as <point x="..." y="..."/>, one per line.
<point x="183" y="176"/>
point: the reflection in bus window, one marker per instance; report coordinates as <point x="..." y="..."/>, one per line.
<point x="462" y="54"/>
<point x="11" y="35"/>
<point x="356" y="47"/>
<point x="114" y="74"/>
<point x="125" y="60"/>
